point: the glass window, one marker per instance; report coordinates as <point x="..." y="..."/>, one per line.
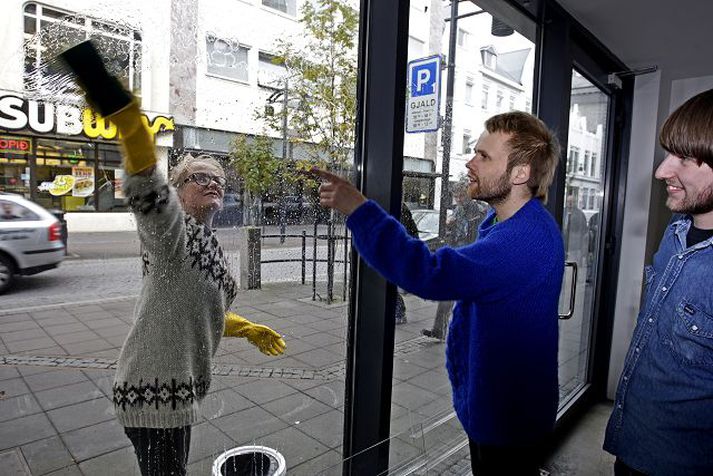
<point x="587" y="164"/>
<point x="271" y="73"/>
<point x="466" y="142"/>
<point x="226" y="58"/>
<point x="462" y="38"/>
<point x="64" y="176"/>
<point x="425" y="433"/>
<point x="11" y="211"/>
<point x="469" y="92"/>
<point x="284" y="6"/>
<point x="59" y="30"/>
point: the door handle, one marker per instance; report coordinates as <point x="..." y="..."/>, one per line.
<point x="573" y="290"/>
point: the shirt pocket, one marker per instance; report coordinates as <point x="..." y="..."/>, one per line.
<point x="693" y="333"/>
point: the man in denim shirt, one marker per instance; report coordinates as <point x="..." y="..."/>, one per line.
<point x="662" y="423"/>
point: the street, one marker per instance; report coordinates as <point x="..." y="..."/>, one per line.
<point x="90" y="280"/>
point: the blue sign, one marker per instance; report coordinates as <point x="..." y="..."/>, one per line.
<point x="423" y="79"/>
<point x="424" y="101"/>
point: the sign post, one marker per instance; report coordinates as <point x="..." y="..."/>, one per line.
<point x="423" y="104"/>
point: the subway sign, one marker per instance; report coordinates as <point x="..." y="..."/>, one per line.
<point x="15" y="145"/>
<point x="18" y="114"/>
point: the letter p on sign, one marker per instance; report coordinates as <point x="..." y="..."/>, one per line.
<point x="423" y="79"/>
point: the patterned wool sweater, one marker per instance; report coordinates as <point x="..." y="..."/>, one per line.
<point x="164" y="368"/>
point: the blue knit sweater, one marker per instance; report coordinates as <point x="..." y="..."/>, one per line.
<point x="502" y="343"/>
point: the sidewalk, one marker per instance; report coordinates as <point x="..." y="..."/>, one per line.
<point x="123" y="244"/>
<point x="57" y="365"/>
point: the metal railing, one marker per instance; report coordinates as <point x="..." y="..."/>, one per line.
<point x="331" y="238"/>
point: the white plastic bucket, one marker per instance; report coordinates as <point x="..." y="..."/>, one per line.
<point x="250" y="461"/>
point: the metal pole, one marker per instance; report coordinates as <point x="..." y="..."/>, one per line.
<point x="448" y="120"/>
<point x="346" y="254"/>
<point x="281" y="202"/>
<point x="304" y="254"/>
<point x="314" y="263"/>
<point x="330" y="262"/>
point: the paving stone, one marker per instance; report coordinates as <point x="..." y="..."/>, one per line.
<point x="294" y="445"/>
<point x="296" y="408"/>
<point x="249" y="425"/>
<point x="30" y="344"/>
<point x="53" y="379"/>
<point x="16" y="407"/>
<point x="96" y="440"/>
<point x="326" y="464"/>
<point x="46" y="455"/>
<point x="263" y="391"/>
<point x="326" y="428"/>
<point x="82" y="414"/>
<point x="12" y="463"/>
<point x="13" y="387"/>
<point x="122" y="463"/>
<point x="223" y="402"/>
<point x="207" y="441"/>
<point x="25" y="430"/>
<point x="72" y="470"/>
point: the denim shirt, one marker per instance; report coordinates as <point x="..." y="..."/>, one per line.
<point x="662" y="423"/>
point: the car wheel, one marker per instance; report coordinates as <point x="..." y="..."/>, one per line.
<point x="7" y="273"/>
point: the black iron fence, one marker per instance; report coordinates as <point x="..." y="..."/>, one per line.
<point x="331" y="238"/>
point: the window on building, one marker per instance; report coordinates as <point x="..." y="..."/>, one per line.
<point x="511" y="103"/>
<point x="573" y="161"/>
<point x="48" y="31"/>
<point x="592" y="195"/>
<point x="499" y="100"/>
<point x="284" y="6"/>
<point x="587" y="159"/>
<point x="484" y="97"/>
<point x="584" y="199"/>
<point x="463" y="38"/>
<point x="469" y="92"/>
<point x="271" y="72"/>
<point x="226" y="58"/>
<point x="489" y="57"/>
<point x="593" y="169"/>
<point x="467" y="137"/>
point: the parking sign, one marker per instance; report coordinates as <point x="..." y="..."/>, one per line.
<point x="423" y="104"/>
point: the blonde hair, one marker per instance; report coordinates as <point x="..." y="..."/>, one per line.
<point x="533" y="144"/>
<point x="188" y="163"/>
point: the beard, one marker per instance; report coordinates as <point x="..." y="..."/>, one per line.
<point x="493" y="191"/>
<point x="698" y="205"/>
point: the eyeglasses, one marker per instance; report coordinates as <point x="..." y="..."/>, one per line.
<point x="204" y="179"/>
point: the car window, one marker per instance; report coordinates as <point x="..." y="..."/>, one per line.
<point x="10" y="211"/>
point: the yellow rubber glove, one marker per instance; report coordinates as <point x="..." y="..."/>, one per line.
<point x="268" y="341"/>
<point x="139" y="151"/>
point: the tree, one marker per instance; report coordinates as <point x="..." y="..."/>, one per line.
<point x="321" y="74"/>
<point x="257" y="167"/>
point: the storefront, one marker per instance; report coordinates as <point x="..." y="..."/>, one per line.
<point x="66" y="158"/>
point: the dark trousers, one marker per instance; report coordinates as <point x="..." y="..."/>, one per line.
<point x="486" y="460"/>
<point x="161" y="451"/>
<point x="621" y="469"/>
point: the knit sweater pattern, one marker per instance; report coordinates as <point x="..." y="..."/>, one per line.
<point x="164" y="368"/>
<point x="501" y="352"/>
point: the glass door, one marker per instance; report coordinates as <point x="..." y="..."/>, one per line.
<point x="584" y="191"/>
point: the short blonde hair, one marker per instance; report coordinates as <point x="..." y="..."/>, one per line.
<point x="188" y="164"/>
<point x="531" y="143"/>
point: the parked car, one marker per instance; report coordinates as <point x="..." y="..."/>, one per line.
<point x="30" y="239"/>
<point x="427" y="224"/>
<point x="232" y="212"/>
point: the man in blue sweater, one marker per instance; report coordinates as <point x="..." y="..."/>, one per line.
<point x="502" y="343"/>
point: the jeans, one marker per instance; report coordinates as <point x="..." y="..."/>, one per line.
<point x="161" y="451"/>
<point x="486" y="460"/>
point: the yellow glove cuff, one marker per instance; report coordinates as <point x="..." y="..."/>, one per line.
<point x="235" y="325"/>
<point x="139" y="150"/>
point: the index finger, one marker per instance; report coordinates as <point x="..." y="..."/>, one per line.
<point x="329" y="176"/>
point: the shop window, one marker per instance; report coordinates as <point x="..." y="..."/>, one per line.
<point x="285" y="6"/>
<point x="484" y="96"/>
<point x="226" y="58"/>
<point x="48" y="31"/>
